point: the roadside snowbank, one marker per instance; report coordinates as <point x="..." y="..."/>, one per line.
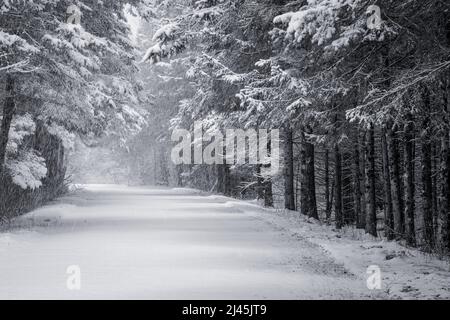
<point x="406" y="273"/>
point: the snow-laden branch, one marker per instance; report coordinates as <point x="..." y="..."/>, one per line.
<point x="17" y="65"/>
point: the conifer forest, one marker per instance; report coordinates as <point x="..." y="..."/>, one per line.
<point x="225" y="149"/>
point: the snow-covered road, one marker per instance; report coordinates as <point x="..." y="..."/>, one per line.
<point x="144" y="243"/>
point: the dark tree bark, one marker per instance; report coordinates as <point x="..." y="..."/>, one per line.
<point x="164" y="169"/>
<point x="227" y="180"/>
<point x="289" y="193"/>
<point x="268" y="194"/>
<point x="308" y="184"/>
<point x="267" y="184"/>
<point x="410" y="232"/>
<point x="9" y="110"/>
<point x="444" y="168"/>
<point x="444" y="198"/>
<point x="427" y="195"/>
<point x="304" y="192"/>
<point x="435" y="180"/>
<point x="297" y="184"/>
<point x="311" y="172"/>
<point x="427" y="183"/>
<point x="220" y="178"/>
<point x="371" y="218"/>
<point x="362" y="174"/>
<point x="357" y="182"/>
<point x="347" y="192"/>
<point x="328" y="199"/>
<point x="388" y="207"/>
<point x="259" y="183"/>
<point x="338" y="188"/>
<point x="444" y="194"/>
<point x="396" y="183"/>
<point x="180" y="175"/>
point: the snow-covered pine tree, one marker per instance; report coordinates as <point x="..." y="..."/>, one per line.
<point x="63" y="79"/>
<point x="381" y="63"/>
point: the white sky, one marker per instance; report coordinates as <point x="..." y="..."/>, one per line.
<point x="134" y="23"/>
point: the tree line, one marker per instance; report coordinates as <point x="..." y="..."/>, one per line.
<point x="362" y="101"/>
<point x="62" y="81"/>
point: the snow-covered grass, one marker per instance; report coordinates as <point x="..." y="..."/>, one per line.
<point x="156" y="243"/>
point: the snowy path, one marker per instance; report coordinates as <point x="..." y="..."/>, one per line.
<point x="143" y="243"/>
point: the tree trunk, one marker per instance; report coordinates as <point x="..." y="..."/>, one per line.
<point x="289" y="196"/>
<point x="444" y="207"/>
<point x="327" y="186"/>
<point x="268" y="193"/>
<point x="308" y="185"/>
<point x="409" y="182"/>
<point x="396" y="183"/>
<point x="427" y="183"/>
<point x="311" y="174"/>
<point x="180" y="176"/>
<point x="444" y="194"/>
<point x="297" y="184"/>
<point x="304" y="201"/>
<point x="220" y="178"/>
<point x="338" y="188"/>
<point x="427" y="195"/>
<point x="9" y="110"/>
<point x="388" y="207"/>
<point x="357" y="183"/>
<point x="164" y="168"/>
<point x="444" y="174"/>
<point x="347" y="192"/>
<point x="371" y="218"/>
<point x="362" y="174"/>
<point x="435" y="193"/>
<point x="226" y="180"/>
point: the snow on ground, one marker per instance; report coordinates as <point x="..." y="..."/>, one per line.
<point x="154" y="243"/>
<point x="406" y="273"/>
